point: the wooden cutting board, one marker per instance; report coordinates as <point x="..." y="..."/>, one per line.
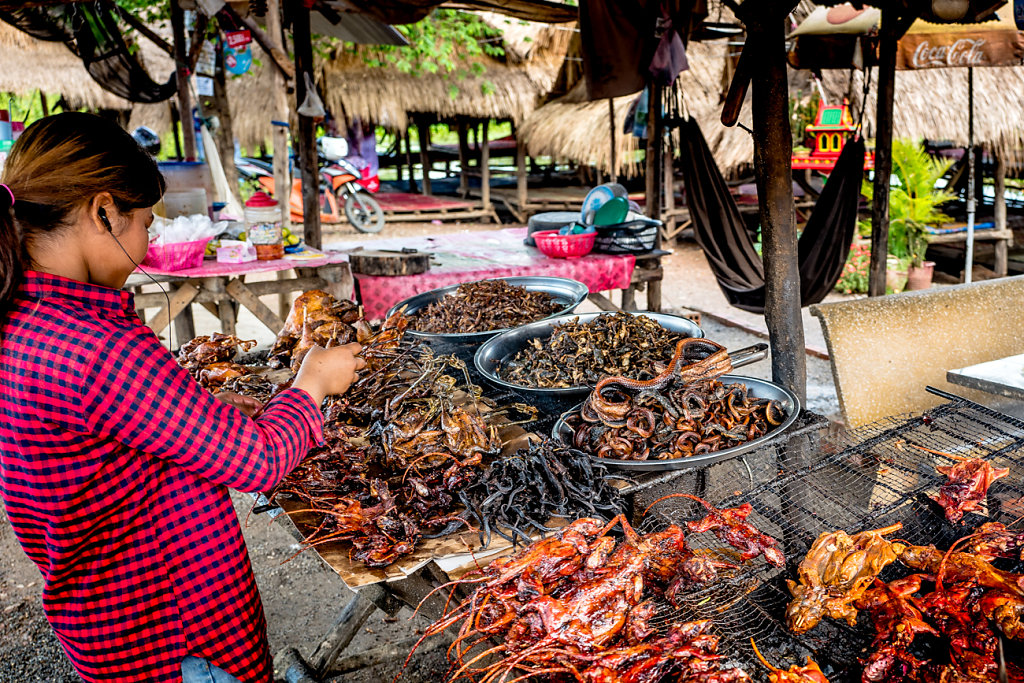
<point x="393" y="263"/>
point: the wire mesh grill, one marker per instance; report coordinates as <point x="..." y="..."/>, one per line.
<point x="819" y="482"/>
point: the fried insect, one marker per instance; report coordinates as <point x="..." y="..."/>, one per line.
<point x="483" y="306"/>
<point x="521" y="493"/>
<point x="809" y="673"/>
<point x="577" y="606"/>
<point x="835" y="573"/>
<point x="581" y="353"/>
<point x="966" y="486"/>
<point x="680" y="413"/>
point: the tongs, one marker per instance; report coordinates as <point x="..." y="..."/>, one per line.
<point x="748" y="355"/>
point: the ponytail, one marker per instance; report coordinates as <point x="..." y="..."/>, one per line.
<point x="56" y="166"/>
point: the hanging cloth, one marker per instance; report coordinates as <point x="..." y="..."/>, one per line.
<point x="722" y="234"/>
<point x="91" y="32"/>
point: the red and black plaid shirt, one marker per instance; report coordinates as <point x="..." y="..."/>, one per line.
<point x="114" y="468"/>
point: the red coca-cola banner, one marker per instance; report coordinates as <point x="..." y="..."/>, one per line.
<point x="237" y="39"/>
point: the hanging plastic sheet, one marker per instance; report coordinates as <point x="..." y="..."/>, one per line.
<point x="90" y="31"/>
<point x="722" y="234"/>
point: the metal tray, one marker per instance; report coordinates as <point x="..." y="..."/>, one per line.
<point x="758" y="388"/>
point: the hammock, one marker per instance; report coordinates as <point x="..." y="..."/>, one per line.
<point x="721" y="233"/>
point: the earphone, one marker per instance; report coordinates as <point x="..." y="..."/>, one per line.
<point x="102" y="213"/>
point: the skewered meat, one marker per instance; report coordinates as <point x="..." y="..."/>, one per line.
<point x="316" y="319"/>
<point x="731" y="525"/>
<point x="993" y="540"/>
<point x="966" y="486"/>
<point x="214" y="375"/>
<point x="972" y="642"/>
<point x="809" y="673"/>
<point x="1005" y="610"/>
<point x="835" y="573"/>
<point x="960" y="567"/>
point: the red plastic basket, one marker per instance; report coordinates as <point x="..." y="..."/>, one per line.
<point x="177" y="256"/>
<point x="554" y="245"/>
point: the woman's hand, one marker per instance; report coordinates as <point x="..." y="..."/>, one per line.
<point x="246" y="404"/>
<point x="329" y="371"/>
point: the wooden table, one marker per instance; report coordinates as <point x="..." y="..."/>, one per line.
<point x="221" y="288"/>
<point x="1002" y="377"/>
<point x="1003" y="240"/>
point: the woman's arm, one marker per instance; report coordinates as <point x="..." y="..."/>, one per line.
<point x="135" y="393"/>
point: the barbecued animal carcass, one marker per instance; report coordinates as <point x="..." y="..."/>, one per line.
<point x="316" y="319"/>
<point x="731" y="525"/>
<point x="966" y="486"/>
<point x="897" y="623"/>
<point x="957" y="566"/>
<point x="993" y="540"/>
<point x="835" y="573"/>
<point x="809" y="673"/>
<point x="205" y="350"/>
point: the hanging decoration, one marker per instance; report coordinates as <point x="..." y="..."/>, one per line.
<point x="237" y="52"/>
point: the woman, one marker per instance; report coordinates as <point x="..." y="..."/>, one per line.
<point x="114" y="464"/>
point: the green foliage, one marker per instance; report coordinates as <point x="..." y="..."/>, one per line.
<point x="147" y="11"/>
<point x="914" y="201"/>
<point x="446" y="42"/>
<point x="802" y="112"/>
<point x="854" y="279"/>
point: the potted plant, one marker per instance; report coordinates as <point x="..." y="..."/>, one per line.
<point x="914" y="203"/>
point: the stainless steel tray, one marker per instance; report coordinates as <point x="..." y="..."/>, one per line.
<point x="759" y="388"/>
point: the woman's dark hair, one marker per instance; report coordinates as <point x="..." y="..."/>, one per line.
<point x="57" y="166"/>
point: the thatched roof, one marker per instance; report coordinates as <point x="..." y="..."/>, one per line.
<point x="30" y="65"/>
<point x="507" y="88"/>
<point x="932" y="103"/>
<point x="578" y="130"/>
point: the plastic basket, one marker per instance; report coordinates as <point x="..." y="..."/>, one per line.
<point x="554" y="245"/>
<point x="177" y="256"/>
<point x="633" y="237"/>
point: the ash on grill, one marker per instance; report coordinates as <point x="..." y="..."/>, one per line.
<point x="579" y="354"/>
<point x="484" y="306"/>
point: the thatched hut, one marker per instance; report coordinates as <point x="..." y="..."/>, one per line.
<point x="578" y="130"/>
<point x="32" y="65"/>
<point x="506" y="88"/>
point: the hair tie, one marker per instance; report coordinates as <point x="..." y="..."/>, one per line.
<point x="8" y="192"/>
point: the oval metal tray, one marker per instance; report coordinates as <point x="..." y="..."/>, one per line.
<point x="565" y="291"/>
<point x="758" y="388"/>
<point x="507" y="344"/>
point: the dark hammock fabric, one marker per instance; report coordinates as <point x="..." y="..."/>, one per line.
<point x="722" y="234"/>
<point x="90" y="31"/>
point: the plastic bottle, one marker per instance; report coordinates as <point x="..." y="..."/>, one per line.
<point x="263" y="220"/>
<point x="5" y="125"/>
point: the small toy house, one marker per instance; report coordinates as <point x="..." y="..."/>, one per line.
<point x="829" y="131"/>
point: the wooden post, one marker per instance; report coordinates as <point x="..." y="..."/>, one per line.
<point x="308" y="163"/>
<point x="43" y="103"/>
<point x="463" y="158"/>
<point x="224" y="135"/>
<point x="279" y="136"/>
<point x="424" y="134"/>
<point x="521" y="180"/>
<point x="669" y="205"/>
<point x="188" y="126"/>
<point x="175" y="131"/>
<point x="883" y="155"/>
<point x="654" y="163"/>
<point x="485" y="166"/>
<point x="773" y="144"/>
<point x="613" y="171"/>
<point x="408" y="162"/>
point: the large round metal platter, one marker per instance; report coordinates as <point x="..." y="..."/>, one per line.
<point x="758" y="388"/>
<point x="506" y="345"/>
<point x="568" y="293"/>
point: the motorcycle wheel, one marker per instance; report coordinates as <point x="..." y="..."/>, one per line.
<point x="364" y="213"/>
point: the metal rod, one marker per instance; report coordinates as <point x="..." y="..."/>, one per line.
<point x="611" y="125"/>
<point x="969" y="257"/>
<point x="883" y="154"/>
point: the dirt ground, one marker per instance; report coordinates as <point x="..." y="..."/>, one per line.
<point x="301" y="596"/>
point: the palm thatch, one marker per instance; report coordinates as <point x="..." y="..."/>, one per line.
<point x="30" y="65"/>
<point x="932" y="103"/>
<point x="575" y="129"/>
<point x="506" y="88"/>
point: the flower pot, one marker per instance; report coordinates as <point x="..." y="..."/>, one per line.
<point x="920" y="277"/>
<point x="895" y="281"/>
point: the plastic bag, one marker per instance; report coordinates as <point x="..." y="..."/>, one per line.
<point x="311" y="106"/>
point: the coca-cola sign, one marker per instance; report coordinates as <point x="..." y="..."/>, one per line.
<point x="930" y="50"/>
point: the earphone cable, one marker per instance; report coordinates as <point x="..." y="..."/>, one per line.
<point x="170" y="330"/>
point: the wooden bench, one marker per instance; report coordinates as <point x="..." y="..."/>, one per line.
<point x="1003" y="240"/>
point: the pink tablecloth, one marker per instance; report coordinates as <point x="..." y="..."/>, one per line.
<point x="211" y="268"/>
<point x="465" y="257"/>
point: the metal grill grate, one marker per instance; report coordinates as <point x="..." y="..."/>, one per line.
<point x="820" y="482"/>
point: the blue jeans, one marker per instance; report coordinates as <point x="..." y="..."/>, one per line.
<point x="198" y="670"/>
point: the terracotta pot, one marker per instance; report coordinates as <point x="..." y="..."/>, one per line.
<point x="920" y="278"/>
<point x="895" y="280"/>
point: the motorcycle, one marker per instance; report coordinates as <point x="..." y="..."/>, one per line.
<point x="343" y="189"/>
